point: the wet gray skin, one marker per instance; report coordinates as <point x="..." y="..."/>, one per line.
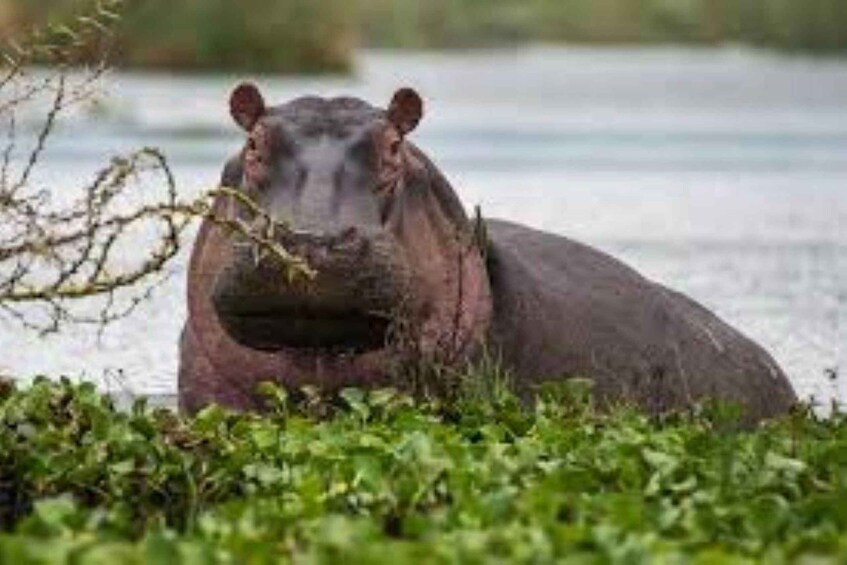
<point x="315" y="165"/>
<point x="390" y="241"/>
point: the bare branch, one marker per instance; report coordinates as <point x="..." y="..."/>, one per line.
<point x="96" y="258"/>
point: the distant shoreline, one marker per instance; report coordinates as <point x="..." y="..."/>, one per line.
<point x="322" y="36"/>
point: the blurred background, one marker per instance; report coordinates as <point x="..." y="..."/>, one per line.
<point x="702" y="141"/>
<point x="323" y="35"/>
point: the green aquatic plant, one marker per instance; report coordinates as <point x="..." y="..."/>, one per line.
<point x="380" y="477"/>
<point x="321" y="35"/>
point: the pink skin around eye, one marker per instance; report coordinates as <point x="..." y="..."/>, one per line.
<point x="255" y="170"/>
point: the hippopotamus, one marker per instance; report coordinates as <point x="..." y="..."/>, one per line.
<point x="401" y="270"/>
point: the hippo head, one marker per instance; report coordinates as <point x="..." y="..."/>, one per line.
<point x="395" y="256"/>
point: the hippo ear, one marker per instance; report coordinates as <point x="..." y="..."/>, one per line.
<point x="246" y="105"/>
<point x="406" y="110"/>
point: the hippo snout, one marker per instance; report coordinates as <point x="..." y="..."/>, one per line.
<point x="359" y="283"/>
<point x="327" y="250"/>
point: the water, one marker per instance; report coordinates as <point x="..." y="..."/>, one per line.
<point x="721" y="173"/>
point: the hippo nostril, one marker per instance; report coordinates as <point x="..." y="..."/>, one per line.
<point x="318" y="255"/>
<point x="325" y="249"/>
<point x="340" y="240"/>
<point x="363" y="247"/>
<point x="349" y="233"/>
<point x="304" y="250"/>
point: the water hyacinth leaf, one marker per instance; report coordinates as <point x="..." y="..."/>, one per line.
<point x="427" y="483"/>
<point x="276" y="395"/>
<point x="785" y="464"/>
<point x="122" y="467"/>
<point x="768" y="514"/>
<point x="355" y="400"/>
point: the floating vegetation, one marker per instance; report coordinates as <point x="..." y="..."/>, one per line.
<point x="377" y="477"/>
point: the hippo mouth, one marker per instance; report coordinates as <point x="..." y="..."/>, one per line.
<point x="342" y="331"/>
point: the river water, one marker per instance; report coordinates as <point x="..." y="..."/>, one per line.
<point x="722" y="173"/>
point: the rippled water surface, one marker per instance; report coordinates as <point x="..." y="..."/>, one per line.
<point x="720" y="173"/>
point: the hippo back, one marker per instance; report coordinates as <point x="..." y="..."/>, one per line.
<point x="564" y="309"/>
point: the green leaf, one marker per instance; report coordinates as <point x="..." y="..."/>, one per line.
<point x="355" y="400"/>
